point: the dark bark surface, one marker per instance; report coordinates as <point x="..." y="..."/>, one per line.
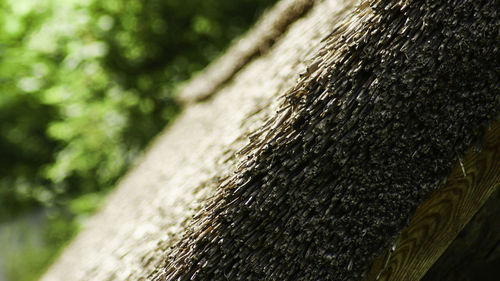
<point x="145" y="215"/>
<point x="438" y="221"/>
<point x="398" y="92"/>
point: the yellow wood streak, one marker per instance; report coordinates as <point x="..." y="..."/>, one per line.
<point x="443" y="215"/>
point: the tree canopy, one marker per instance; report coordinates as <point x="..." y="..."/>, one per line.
<point x="86" y="84"/>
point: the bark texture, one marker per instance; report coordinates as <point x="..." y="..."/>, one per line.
<point x="396" y="94"/>
<point x="146" y="214"/>
<point x="443" y="215"/>
<point x="393" y="93"/>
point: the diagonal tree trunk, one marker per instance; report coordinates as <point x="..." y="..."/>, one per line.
<point x="392" y="95"/>
<point x="395" y="95"/>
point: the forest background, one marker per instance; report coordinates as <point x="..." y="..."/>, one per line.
<point x="84" y="86"/>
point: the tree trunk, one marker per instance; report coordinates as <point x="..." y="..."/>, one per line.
<point x="318" y="184"/>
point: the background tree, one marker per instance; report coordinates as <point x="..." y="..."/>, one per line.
<point x="85" y="85"/>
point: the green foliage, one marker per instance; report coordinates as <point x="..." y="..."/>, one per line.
<point x="85" y="84"/>
<point x="31" y="243"/>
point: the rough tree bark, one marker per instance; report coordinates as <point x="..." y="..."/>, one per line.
<point x="379" y="101"/>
